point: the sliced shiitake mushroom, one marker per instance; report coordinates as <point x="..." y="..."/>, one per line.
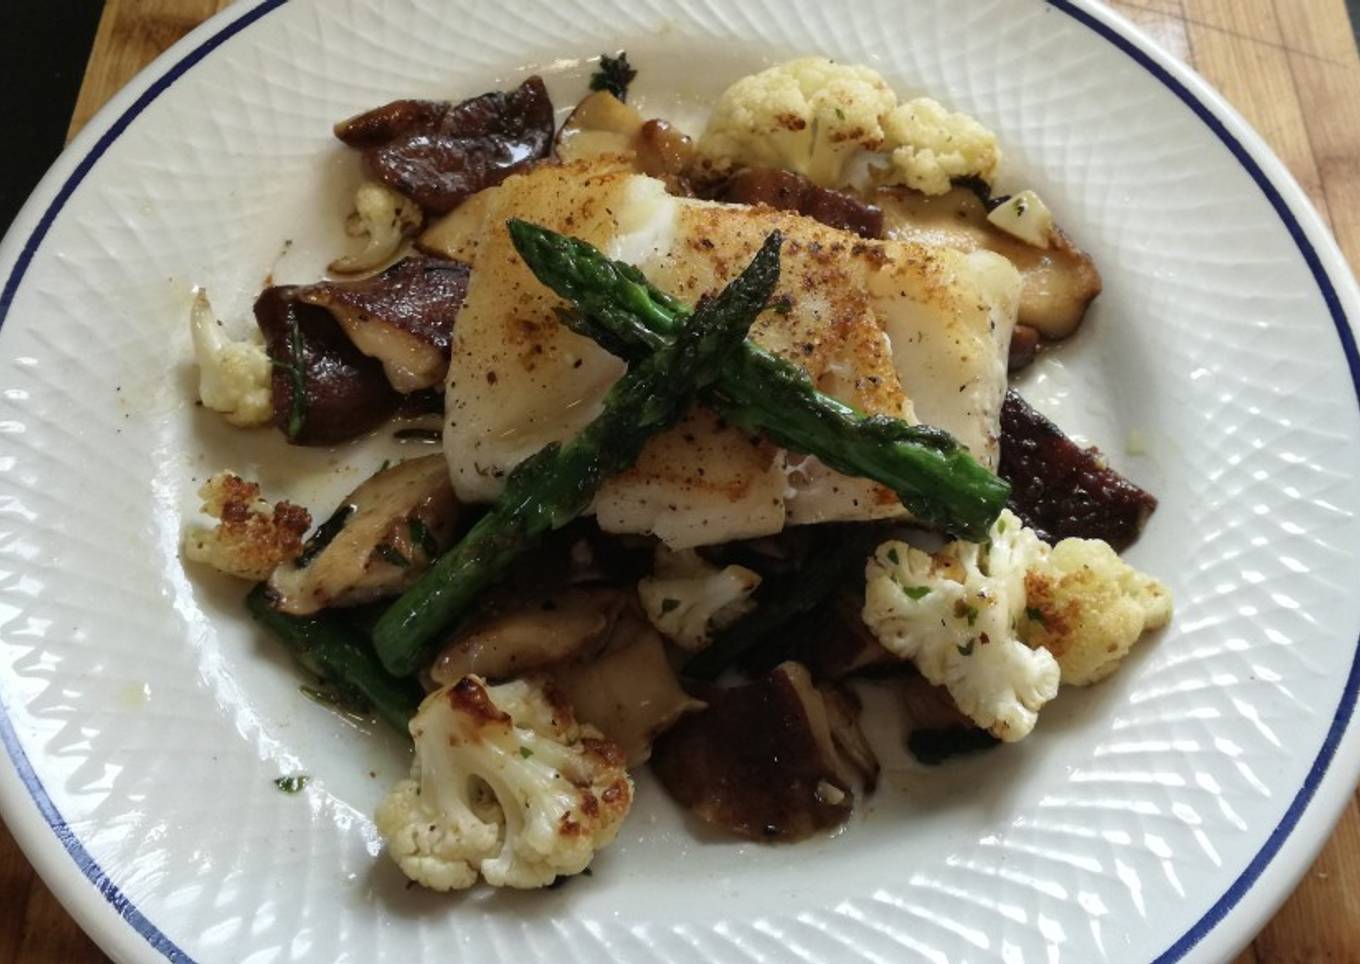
<point x="324" y="389"/>
<point x="457" y="234"/>
<point x="930" y="707"/>
<point x="598" y="648"/>
<point x="599" y="124"/>
<point x="788" y="191"/>
<point x="403" y="316"/>
<point x="564" y="625"/>
<point x="845" y="646"/>
<point x="938" y="730"/>
<point x="761" y="761"/>
<point x="439" y="154"/>
<point x="1062" y="490"/>
<point x="384" y="535"/>
<point x="630" y="693"/>
<point x="664" y="151"/>
<point x="1059" y="281"/>
<point x="842" y="714"/>
<point x="602" y="125"/>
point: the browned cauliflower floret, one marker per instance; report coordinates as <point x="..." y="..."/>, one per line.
<point x="251" y="536"/>
<point x="1088" y="607"/>
<point x="954" y="615"/>
<point x="505" y="783"/>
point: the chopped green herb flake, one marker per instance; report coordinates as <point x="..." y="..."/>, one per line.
<point x="323" y="536"/>
<point x="525" y="752"/>
<point x="386" y="464"/>
<point x="391" y="554"/>
<point x="421" y="536"/>
<point x="669" y="605"/>
<point x="614" y="75"/>
<point x="292" y="784"/>
<point x="916" y="592"/>
<point x="967" y="648"/>
<point x="340" y="699"/>
<point x="1035" y="615"/>
<point x="1000" y="526"/>
<point x="297" y="413"/>
<point x="320" y="696"/>
<point x="966" y="611"/>
<point x="896" y="560"/>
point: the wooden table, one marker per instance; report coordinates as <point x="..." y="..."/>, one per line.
<point x="1269" y="57"/>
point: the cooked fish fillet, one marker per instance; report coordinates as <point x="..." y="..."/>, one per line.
<point x="890" y="327"/>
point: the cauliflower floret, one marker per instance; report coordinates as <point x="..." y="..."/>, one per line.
<point x="505" y="783"/>
<point x="233" y="376"/>
<point x="1088" y="607"/>
<point x="815" y="117"/>
<point x="687" y="599"/>
<point x="252" y="537"/>
<point x="386" y="218"/>
<point x="932" y="146"/>
<point x="808" y="115"/>
<point x="1000" y="624"/>
<point x="954" y="614"/>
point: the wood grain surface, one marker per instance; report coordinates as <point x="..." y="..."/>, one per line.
<point x="1290" y="66"/>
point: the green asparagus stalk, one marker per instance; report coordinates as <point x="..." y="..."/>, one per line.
<point x="556" y="484"/>
<point x="934" y="476"/>
<point x="339" y="654"/>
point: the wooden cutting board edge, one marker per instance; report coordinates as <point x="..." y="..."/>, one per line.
<point x="1268" y="57"/>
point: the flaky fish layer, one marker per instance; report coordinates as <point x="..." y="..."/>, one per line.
<point x="894" y="328"/>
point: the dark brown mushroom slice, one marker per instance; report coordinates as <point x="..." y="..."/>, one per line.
<point x="788" y="191"/>
<point x="1060" y="489"/>
<point x="845" y="646"/>
<point x="438" y="153"/>
<point x="760" y="761"/>
<point x="1058" y="283"/>
<point x="938" y="729"/>
<point x="933" y="747"/>
<point x="380" y="540"/>
<point x="930" y="707"/>
<point x="403" y="316"/>
<point x="324" y="389"/>
<point x="513" y="638"/>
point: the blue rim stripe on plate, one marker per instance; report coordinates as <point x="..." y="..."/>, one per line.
<point x="93" y="872"/>
<point x="1239" y="887"/>
<point x="1346" y="707"/>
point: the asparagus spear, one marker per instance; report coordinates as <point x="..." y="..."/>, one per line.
<point x="557" y="483"/>
<point x="339" y="654"/>
<point x="932" y="474"/>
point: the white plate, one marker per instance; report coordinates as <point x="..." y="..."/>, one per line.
<point x="1161" y="815"/>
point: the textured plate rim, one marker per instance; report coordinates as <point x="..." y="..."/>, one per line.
<point x="111" y="919"/>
